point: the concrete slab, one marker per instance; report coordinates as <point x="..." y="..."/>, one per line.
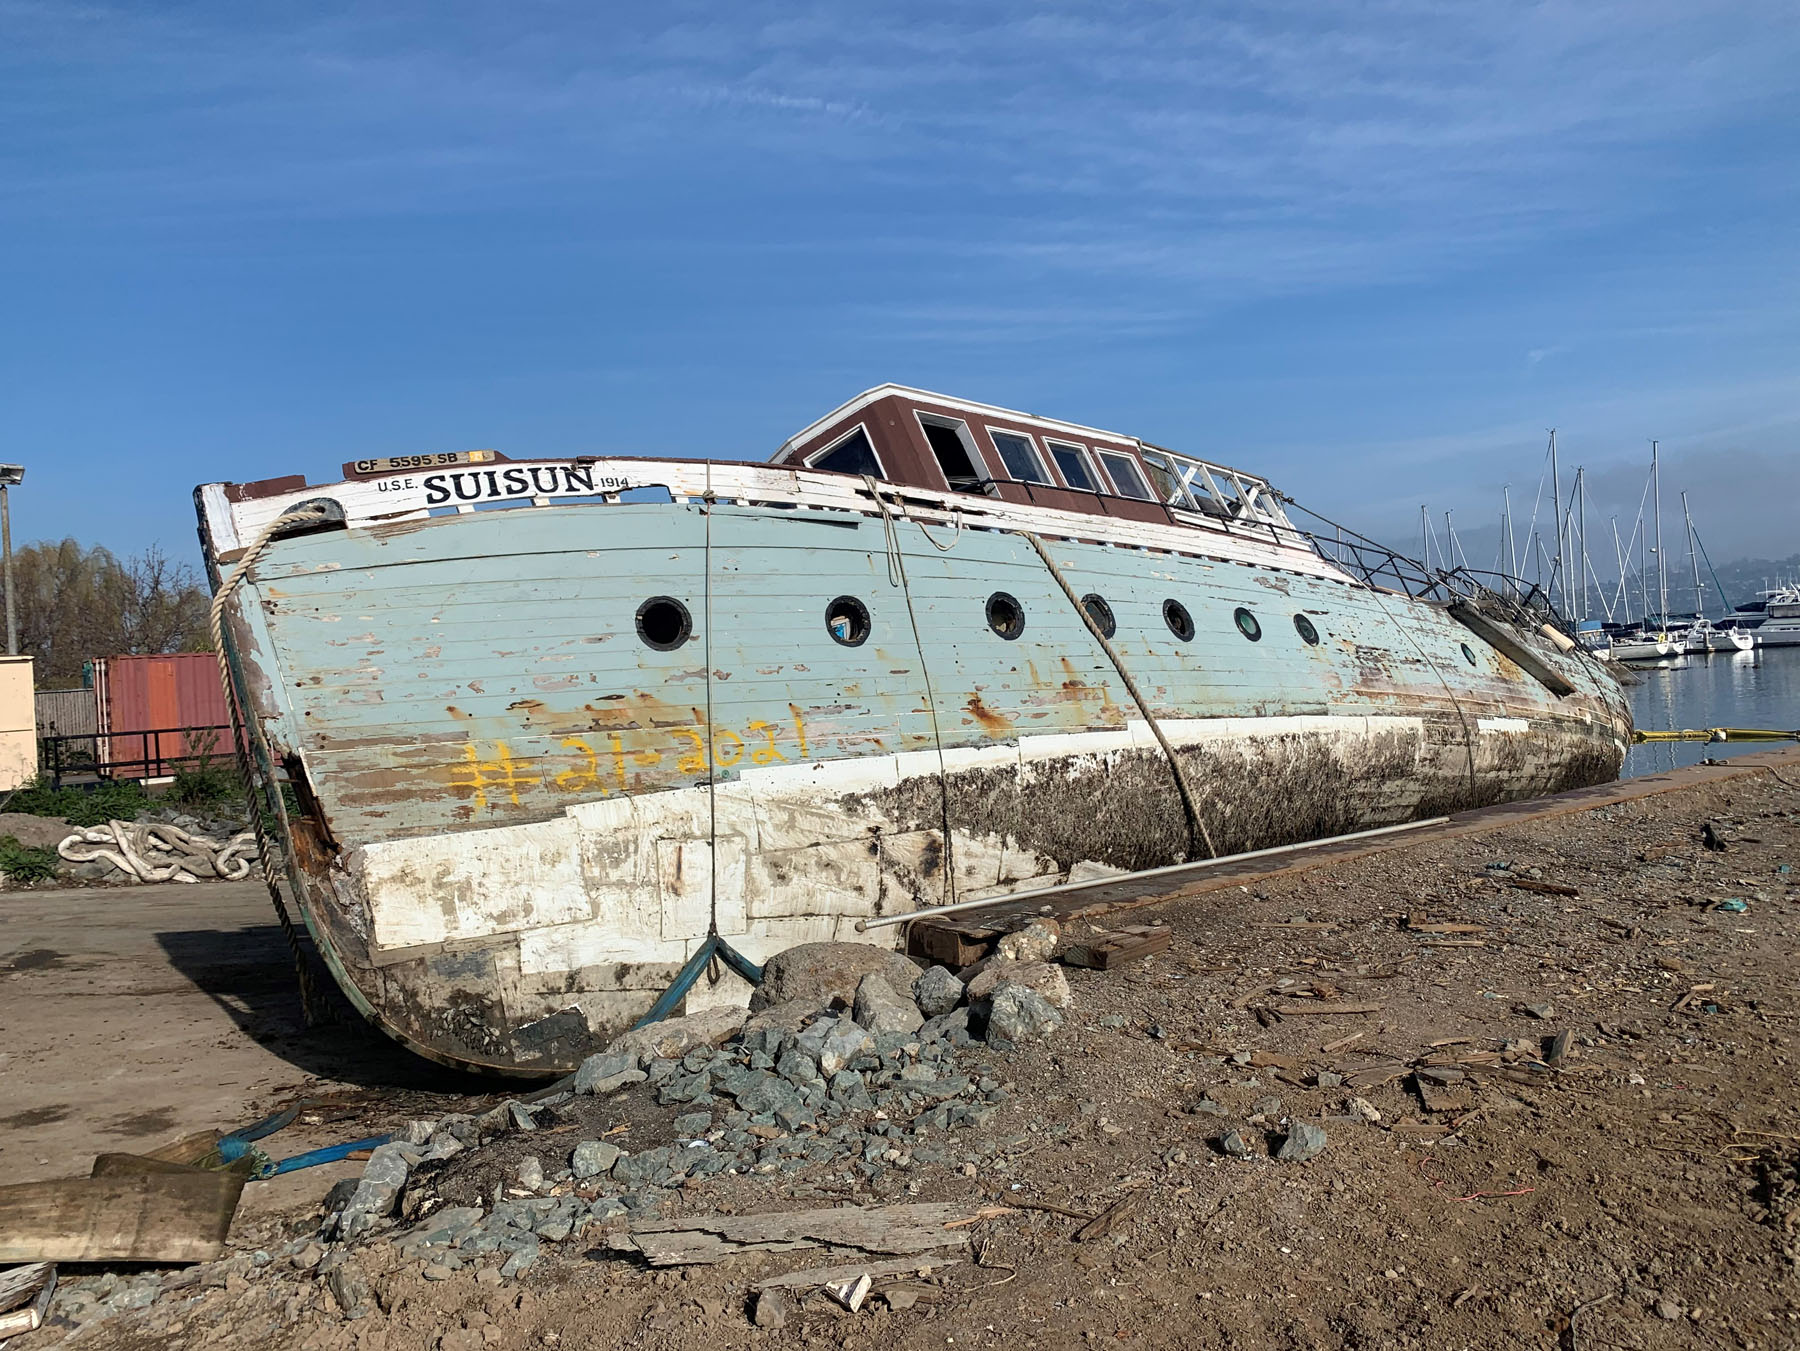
<point x="133" y="1015"/>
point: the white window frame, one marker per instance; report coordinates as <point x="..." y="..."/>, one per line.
<point x="822" y="451"/>
<point x="1100" y="454"/>
<point x="1037" y="453"/>
<point x="961" y="427"/>
<point x="1052" y="443"/>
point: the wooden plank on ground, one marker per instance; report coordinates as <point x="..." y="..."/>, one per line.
<point x="894" y="1231"/>
<point x="144" y="1216"/>
<point x="1105" y="950"/>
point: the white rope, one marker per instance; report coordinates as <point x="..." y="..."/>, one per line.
<point x="310" y="511"/>
<point x="152" y="852"/>
<point x="897" y="577"/>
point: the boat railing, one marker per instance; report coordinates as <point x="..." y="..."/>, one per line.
<point x="1524" y="603"/>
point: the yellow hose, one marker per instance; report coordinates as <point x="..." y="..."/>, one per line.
<point x="1716" y="734"/>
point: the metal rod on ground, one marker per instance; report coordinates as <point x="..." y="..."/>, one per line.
<point x="864" y="925"/>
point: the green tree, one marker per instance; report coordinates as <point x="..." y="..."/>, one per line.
<point x="76" y="604"/>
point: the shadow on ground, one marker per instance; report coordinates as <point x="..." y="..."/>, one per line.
<point x="249" y="973"/>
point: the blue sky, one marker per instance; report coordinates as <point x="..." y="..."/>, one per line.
<point x="1372" y="250"/>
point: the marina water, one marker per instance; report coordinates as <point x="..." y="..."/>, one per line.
<point x="1742" y="689"/>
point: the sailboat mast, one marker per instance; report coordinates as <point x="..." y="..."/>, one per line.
<point x="1693" y="558"/>
<point x="1560" y="573"/>
<point x="1581" y="500"/>
<point x="1662" y="572"/>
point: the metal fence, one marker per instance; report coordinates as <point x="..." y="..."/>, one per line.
<point x="153" y="754"/>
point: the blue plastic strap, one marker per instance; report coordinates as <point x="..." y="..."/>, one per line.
<point x="714" y="946"/>
<point x="330" y="1154"/>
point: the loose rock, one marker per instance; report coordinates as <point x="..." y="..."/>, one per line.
<point x="937" y="992"/>
<point x="822" y="972"/>
<point x="771" y="1309"/>
<point x="1305" y="1141"/>
<point x="673" y="1038"/>
<point x="1049" y="981"/>
<point x="1018" y="1014"/>
<point x="880" y="1009"/>
<point x="593" y="1157"/>
<point x="1036" y="942"/>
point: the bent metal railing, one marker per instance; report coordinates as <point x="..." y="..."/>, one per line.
<point x="1525" y="604"/>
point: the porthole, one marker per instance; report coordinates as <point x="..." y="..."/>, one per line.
<point x="1304" y="627"/>
<point x="664" y="623"/>
<point x="1005" y="616"/>
<point x="1180" y="622"/>
<point x="847" y="621"/>
<point x="1101" y="613"/>
<point x="1247" y="625"/>
<point x="1468" y="654"/>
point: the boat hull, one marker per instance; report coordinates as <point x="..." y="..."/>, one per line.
<point x="519" y="819"/>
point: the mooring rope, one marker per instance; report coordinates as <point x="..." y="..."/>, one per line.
<point x="1189" y="801"/>
<point x="249" y="775"/>
<point x="712" y="770"/>
<point x="897" y="577"/>
<point x="1461" y="716"/>
<point x="154" y="852"/>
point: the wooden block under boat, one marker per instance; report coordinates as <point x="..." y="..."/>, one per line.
<point x="949" y="942"/>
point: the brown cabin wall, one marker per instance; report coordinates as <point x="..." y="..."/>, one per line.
<point x="906" y="457"/>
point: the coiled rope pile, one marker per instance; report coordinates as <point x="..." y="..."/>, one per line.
<point x="152" y="852"/>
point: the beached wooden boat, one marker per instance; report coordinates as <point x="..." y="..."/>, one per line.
<point x="550" y="723"/>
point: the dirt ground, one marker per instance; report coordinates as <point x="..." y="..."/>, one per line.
<point x="1642" y="1181"/>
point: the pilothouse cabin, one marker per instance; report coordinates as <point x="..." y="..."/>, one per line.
<point x="919" y="439"/>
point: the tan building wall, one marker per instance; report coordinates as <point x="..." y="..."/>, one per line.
<point x="18" y="724"/>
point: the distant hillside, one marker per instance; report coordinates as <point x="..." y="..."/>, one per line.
<point x="1744" y="578"/>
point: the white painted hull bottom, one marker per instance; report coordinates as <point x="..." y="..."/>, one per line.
<point x="1652" y="650"/>
<point x="524" y="947"/>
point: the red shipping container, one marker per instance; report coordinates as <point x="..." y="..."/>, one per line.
<point x="177" y="697"/>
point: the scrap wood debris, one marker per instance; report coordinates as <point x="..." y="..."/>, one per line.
<point x="885" y="1230"/>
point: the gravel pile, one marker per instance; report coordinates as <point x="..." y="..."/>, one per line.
<point x="860" y="1069"/>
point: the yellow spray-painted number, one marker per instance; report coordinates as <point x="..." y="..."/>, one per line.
<point x="502" y="774"/>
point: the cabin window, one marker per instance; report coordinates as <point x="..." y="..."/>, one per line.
<point x="1101" y="613"/>
<point x="956" y="454"/>
<point x="847" y="621"/>
<point x="1173" y="494"/>
<point x="664" y="623"/>
<point x="1072" y="463"/>
<point x="850" y="454"/>
<point x="1005" y="616"/>
<point x="1468" y="654"/>
<point x="1020" y="457"/>
<point x="1125" y="476"/>
<point x="1180" y="622"/>
<point x="1247" y="624"/>
<point x="1304" y="627"/>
